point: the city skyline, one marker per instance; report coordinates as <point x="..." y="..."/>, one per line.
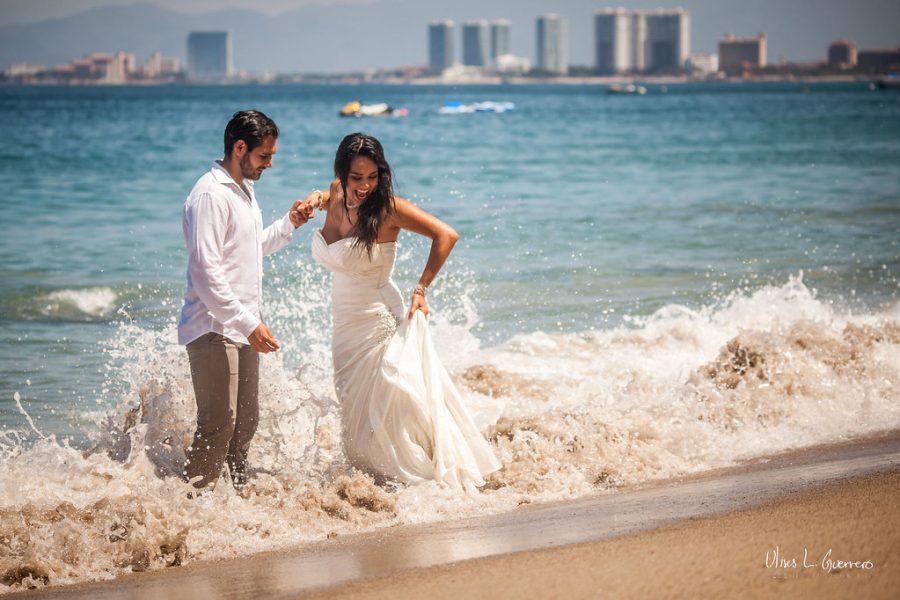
<point x="290" y="49"/>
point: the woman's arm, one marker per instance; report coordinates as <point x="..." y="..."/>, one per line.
<point x="322" y="200"/>
<point x="304" y="210"/>
<point x="317" y="200"/>
<point x="443" y="237"/>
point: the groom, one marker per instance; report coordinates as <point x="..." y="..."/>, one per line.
<point x="221" y="323"/>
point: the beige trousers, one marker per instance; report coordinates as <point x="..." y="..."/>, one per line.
<point x="225" y="375"/>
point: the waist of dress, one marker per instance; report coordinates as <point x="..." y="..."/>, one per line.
<point x="355" y="304"/>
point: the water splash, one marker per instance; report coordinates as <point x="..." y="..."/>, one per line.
<point x="676" y="392"/>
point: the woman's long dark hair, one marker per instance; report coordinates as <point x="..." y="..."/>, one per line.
<point x="380" y="203"/>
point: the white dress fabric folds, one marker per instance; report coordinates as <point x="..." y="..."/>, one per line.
<point x="403" y="418"/>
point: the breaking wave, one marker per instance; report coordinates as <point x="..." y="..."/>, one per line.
<point x="677" y="392"/>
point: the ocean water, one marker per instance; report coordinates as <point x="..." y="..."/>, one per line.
<point x="645" y="287"/>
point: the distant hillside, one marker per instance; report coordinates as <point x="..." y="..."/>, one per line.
<point x="310" y="39"/>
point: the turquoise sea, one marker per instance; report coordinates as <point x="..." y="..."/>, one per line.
<point x="577" y="209"/>
<point x="645" y="286"/>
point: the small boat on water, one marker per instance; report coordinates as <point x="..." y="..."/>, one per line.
<point x="358" y="109"/>
<point x="457" y="108"/>
<point x="891" y="82"/>
<point x="628" y="88"/>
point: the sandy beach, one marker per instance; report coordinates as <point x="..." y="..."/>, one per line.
<point x="841" y="541"/>
<point x="818" y="522"/>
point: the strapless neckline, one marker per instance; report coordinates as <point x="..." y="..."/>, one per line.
<point x="349" y="237"/>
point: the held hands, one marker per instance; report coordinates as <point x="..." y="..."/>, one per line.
<point x="262" y="340"/>
<point x="302" y="211"/>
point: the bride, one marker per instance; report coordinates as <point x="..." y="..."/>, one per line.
<point x="403" y="419"/>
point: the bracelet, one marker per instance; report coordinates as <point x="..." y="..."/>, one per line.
<point x="420" y="290"/>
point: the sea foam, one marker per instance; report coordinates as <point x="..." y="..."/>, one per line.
<point x="673" y="393"/>
<point x="84" y="303"/>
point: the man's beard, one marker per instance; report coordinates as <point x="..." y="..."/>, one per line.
<point x="247" y="170"/>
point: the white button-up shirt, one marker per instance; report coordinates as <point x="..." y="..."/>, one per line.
<point x="226" y="243"/>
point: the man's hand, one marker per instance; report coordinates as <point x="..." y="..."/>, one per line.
<point x="262" y="339"/>
<point x="301" y="212"/>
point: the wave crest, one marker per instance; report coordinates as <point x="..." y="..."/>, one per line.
<point x="91" y="302"/>
<point x="678" y="392"/>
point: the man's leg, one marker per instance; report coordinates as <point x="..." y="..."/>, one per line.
<point x="247" y="414"/>
<point x="214" y="371"/>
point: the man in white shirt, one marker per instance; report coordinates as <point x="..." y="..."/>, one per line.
<point x="221" y="323"/>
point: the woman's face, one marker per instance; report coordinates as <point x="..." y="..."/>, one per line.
<point x="362" y="179"/>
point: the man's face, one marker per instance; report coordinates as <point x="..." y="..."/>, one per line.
<point x="254" y="162"/>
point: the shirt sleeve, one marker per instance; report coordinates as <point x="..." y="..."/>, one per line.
<point x="277" y="235"/>
<point x="208" y="220"/>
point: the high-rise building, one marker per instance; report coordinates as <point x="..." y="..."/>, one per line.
<point x="641" y="40"/>
<point x="668" y="39"/>
<point x="842" y="54"/>
<point x="738" y="55"/>
<point x="638" y="43"/>
<point x="476" y="43"/>
<point x="613" y="41"/>
<point x="552" y="44"/>
<point x="500" y="38"/>
<point x="209" y="54"/>
<point x="440" y="46"/>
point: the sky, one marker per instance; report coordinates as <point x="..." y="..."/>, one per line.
<point x="798" y="30"/>
<point x="28" y="11"/>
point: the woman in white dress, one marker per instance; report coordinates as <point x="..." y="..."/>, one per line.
<point x="403" y="418"/>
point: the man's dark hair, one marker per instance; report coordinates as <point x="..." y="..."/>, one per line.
<point x="251" y="126"/>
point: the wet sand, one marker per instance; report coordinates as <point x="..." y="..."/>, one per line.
<point x="787" y="549"/>
<point x="709" y="535"/>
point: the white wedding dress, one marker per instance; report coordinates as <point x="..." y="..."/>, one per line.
<point x="403" y="418"/>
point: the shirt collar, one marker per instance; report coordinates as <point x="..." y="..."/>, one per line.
<point x="221" y="175"/>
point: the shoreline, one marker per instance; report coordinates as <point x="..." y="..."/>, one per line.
<point x="394" y="555"/>
<point x="801" y="546"/>
<point x="591" y="80"/>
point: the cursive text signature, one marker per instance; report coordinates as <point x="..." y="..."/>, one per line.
<point x="775" y="559"/>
